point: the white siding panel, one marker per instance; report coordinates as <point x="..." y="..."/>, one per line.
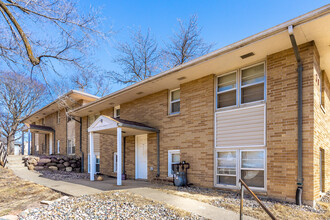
<point x="241" y="127"/>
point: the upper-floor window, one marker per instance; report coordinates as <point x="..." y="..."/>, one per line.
<point x="252" y="83"/>
<point x="117" y="111"/>
<point x="175" y="101"/>
<point x="248" y="86"/>
<point x="58" y="117"/>
<point x="322" y="89"/>
<point x="43" y="121"/>
<point x="226" y="91"/>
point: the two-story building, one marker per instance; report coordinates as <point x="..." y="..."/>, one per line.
<point x="256" y="110"/>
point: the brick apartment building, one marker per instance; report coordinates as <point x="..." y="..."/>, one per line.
<point x="234" y="113"/>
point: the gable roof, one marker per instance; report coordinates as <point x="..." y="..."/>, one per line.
<point x="70" y="98"/>
<point x="313" y="26"/>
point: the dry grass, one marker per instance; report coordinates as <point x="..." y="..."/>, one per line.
<point x="17" y="194"/>
<point x="280" y="210"/>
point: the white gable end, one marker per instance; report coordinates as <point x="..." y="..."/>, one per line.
<point x="102" y="123"/>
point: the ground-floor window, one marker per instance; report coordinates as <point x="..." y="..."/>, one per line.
<point x="58" y="146"/>
<point x="173" y="158"/>
<point x="97" y="163"/>
<point x="249" y="165"/>
<point x="71" y="147"/>
<point x="322" y="170"/>
<point x="115" y="161"/>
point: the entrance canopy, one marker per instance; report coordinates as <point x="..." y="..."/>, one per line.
<point x="108" y="125"/>
<point x="38" y="129"/>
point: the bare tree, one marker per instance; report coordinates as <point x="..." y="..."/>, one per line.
<point x="186" y="44"/>
<point x="138" y="59"/>
<point x="95" y="82"/>
<point x="45" y="35"/>
<point x="19" y="96"/>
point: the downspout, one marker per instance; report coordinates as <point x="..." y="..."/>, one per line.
<point x="124" y="152"/>
<point x="158" y="155"/>
<point x="80" y="146"/>
<point x="300" y="119"/>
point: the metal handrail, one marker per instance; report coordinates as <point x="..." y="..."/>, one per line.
<point x="242" y="183"/>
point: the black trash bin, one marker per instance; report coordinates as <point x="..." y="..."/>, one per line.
<point x="180" y="173"/>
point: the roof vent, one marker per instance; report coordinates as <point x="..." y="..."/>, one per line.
<point x="247" y="55"/>
<point x="139" y="93"/>
<point x="90" y="111"/>
<point x="182" y="78"/>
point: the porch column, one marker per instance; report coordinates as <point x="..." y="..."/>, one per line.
<point x="29" y="142"/>
<point x="119" y="165"/>
<point x="91" y="156"/>
<point x="50" y="144"/>
<point x="22" y="142"/>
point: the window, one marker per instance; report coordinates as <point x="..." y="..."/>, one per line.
<point x="173" y="158"/>
<point x="58" y="146"/>
<point x="252" y="168"/>
<point x="43" y="121"/>
<point x="117" y="111"/>
<point x="115" y="160"/>
<point x="249" y="165"/>
<point x="322" y="89"/>
<point x="226" y="92"/>
<point x="252" y="84"/>
<point x="234" y="90"/>
<point x="175" y="101"/>
<point x="226" y="168"/>
<point x="58" y="117"/>
<point x="322" y="171"/>
<point x="71" y="147"/>
<point x="97" y="162"/>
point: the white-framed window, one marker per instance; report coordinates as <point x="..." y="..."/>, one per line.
<point x="115" y="161"/>
<point x="234" y="164"/>
<point x="71" y="147"/>
<point x="174" y="105"/>
<point x="173" y="158"/>
<point x="58" y="117"/>
<point x="97" y="162"/>
<point x="252" y="83"/>
<point x="235" y="89"/>
<point x="117" y="111"/>
<point x="58" y="146"/>
<point x="227" y="90"/>
<point x="322" y="89"/>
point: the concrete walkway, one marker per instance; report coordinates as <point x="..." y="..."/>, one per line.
<point x="81" y="187"/>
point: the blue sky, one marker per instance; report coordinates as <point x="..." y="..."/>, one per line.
<point x="223" y="22"/>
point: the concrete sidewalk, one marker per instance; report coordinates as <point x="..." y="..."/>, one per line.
<point x="81" y="187"/>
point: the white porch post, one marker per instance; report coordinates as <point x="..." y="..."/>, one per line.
<point x="91" y="156"/>
<point x="119" y="165"/>
<point x="50" y="143"/>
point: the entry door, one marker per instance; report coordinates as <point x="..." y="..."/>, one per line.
<point x="141" y="149"/>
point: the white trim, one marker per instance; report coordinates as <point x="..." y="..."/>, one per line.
<point x="171" y="102"/>
<point x="136" y="156"/>
<point x="169" y="161"/>
<point x="239" y="87"/>
<point x="239" y="151"/>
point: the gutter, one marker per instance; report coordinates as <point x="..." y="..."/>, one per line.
<point x="300" y="179"/>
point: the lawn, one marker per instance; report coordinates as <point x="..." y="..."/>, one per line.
<point x="16" y="194"/>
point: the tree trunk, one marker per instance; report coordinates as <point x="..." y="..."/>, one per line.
<point x="10" y="143"/>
